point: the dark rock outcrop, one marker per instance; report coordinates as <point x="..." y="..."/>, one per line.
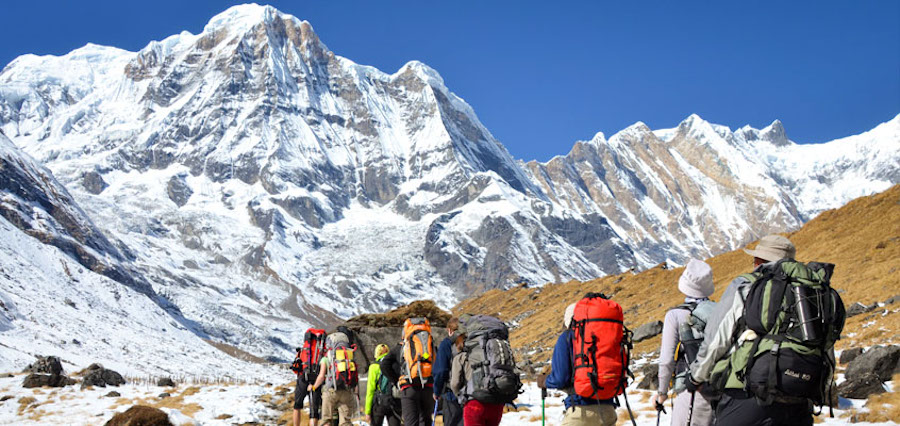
<point x="140" y="415"/>
<point x="165" y="382"/>
<point x="858" y="308"/>
<point x="36" y="380"/>
<point x="178" y="190"/>
<point x="93" y="182"/>
<point x="647" y="331"/>
<point x="848" y="355"/>
<point x="96" y="375"/>
<point x="860" y="387"/>
<point x="882" y="361"/>
<point x="650" y="381"/>
<point x="46" y="365"/>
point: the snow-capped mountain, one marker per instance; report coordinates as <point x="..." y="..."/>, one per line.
<point x="261" y="184"/>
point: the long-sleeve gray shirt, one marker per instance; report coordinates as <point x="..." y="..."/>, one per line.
<point x="667" y="349"/>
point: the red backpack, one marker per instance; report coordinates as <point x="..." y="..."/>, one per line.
<point x="601" y="348"/>
<point x="308" y="357"/>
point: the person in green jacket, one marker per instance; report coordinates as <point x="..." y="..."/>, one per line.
<point x="380" y="402"/>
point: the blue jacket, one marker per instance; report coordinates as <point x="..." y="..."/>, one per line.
<point x="441" y="369"/>
<point x="561" y="375"/>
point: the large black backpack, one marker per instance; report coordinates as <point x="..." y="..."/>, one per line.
<point x="495" y="379"/>
<point x="797" y="318"/>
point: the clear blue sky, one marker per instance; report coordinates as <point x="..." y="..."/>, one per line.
<point x="542" y="75"/>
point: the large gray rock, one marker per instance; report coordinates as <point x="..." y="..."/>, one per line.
<point x="860" y="387"/>
<point x="47" y="365"/>
<point x="93" y="182"/>
<point x="858" y="308"/>
<point x="96" y="375"/>
<point x="650" y="381"/>
<point x="36" y="380"/>
<point x="848" y="355"/>
<point x="178" y="190"/>
<point x="647" y="331"/>
<point x="882" y="361"/>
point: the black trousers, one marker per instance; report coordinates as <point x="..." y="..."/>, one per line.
<point x="417" y="404"/>
<point x="453" y="412"/>
<point x="746" y="411"/>
<point x="385" y="412"/>
<point x="315" y="399"/>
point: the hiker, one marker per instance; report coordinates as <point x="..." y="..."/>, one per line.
<point x="452" y="410"/>
<point x="580" y="411"/>
<point x="381" y="404"/>
<point x="408" y="365"/>
<point x="682" y="335"/>
<point x="751" y="354"/>
<point x="483" y="374"/>
<point x="306" y="366"/>
<point x="337" y="372"/>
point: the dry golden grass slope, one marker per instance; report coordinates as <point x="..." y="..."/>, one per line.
<point x="861" y="238"/>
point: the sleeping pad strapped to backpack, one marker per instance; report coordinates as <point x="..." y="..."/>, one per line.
<point x="343" y="368"/>
<point x="601" y="348"/>
<point x="495" y="379"/>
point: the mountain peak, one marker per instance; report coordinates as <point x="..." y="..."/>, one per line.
<point x="775" y="134"/>
<point x="245" y="16"/>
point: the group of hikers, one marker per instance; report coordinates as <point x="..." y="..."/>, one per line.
<point x="473" y="373"/>
<point x="762" y="355"/>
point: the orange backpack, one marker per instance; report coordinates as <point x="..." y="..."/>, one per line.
<point x="418" y="352"/>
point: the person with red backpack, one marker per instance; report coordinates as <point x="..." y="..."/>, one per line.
<point x="408" y="365"/>
<point x="306" y="366"/>
<point x="590" y="361"/>
<point x="338" y="374"/>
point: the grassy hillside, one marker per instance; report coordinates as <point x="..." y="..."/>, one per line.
<point x="861" y="238"/>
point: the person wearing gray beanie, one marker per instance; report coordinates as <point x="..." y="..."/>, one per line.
<point x="680" y="343"/>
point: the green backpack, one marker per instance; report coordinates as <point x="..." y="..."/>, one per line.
<point x="797" y="317"/>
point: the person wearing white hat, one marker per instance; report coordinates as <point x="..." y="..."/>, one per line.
<point x="736" y="406"/>
<point x="679" y="345"/>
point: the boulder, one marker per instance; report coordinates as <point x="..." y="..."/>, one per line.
<point x="164" y="395"/>
<point x="848" y="355"/>
<point x="93" y="182"/>
<point x="647" y="331"/>
<point x="165" y="382"/>
<point x="882" y="361"/>
<point x="858" y="308"/>
<point x="860" y="387"/>
<point x="35" y="380"/>
<point x="113" y="394"/>
<point x="892" y="300"/>
<point x="140" y="415"/>
<point x="46" y="365"/>
<point x="650" y="381"/>
<point x="98" y="376"/>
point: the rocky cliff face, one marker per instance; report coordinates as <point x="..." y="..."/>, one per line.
<point x="262" y="183"/>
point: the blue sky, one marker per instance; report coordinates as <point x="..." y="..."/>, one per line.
<point x="542" y="75"/>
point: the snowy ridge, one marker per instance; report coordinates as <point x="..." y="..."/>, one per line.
<point x="260" y="184"/>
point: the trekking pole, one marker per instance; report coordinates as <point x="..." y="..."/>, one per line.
<point x="434" y="414"/>
<point x="691" y="410"/>
<point x="543" y="406"/>
<point x="661" y="409"/>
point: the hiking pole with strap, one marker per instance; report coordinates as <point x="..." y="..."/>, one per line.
<point x="660" y="410"/>
<point x="543" y="406"/>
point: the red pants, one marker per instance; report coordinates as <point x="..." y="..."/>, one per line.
<point x="480" y="414"/>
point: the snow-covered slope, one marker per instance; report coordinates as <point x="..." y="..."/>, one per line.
<point x="262" y="184"/>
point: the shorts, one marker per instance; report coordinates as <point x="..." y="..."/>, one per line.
<point x="315" y="399"/>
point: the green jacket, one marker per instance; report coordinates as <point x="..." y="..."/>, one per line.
<point x="374" y="377"/>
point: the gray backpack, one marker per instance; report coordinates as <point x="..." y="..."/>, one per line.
<point x="690" y="337"/>
<point x="494" y="379"/>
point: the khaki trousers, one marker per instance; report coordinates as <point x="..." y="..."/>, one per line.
<point x="590" y="415"/>
<point x="340" y="400"/>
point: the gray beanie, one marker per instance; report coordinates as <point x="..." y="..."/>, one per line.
<point x="696" y="280"/>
